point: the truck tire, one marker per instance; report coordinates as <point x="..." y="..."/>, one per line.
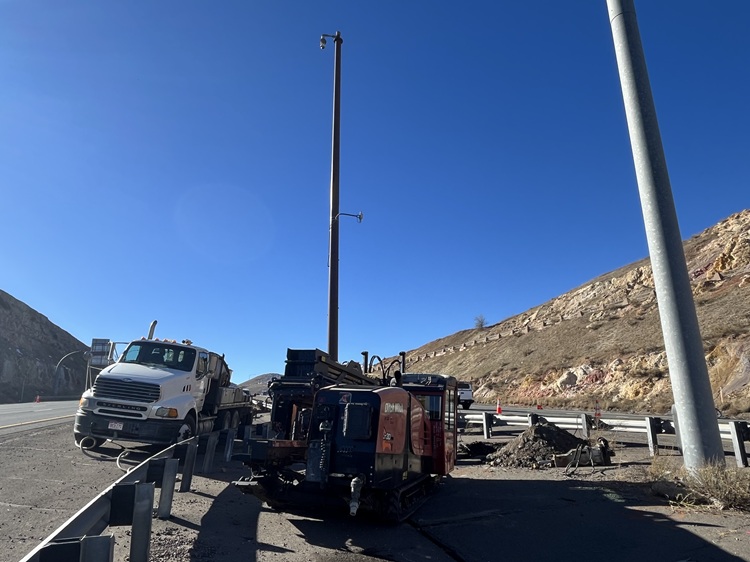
<point x="188" y="428"/>
<point x="222" y="421"/>
<point x="235" y="423"/>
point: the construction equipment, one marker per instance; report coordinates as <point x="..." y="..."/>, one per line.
<point x="338" y="437"/>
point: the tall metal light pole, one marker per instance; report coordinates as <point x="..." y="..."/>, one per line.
<point x="333" y="247"/>
<point x="64" y="357"/>
<point x="699" y="432"/>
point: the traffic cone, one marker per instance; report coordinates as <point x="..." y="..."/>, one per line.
<point x="499" y="409"/>
<point x="38" y="399"/>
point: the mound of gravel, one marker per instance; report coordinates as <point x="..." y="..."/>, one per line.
<point x="534" y="447"/>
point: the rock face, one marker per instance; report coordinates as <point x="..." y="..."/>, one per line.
<point x="30" y="348"/>
<point x="602" y="342"/>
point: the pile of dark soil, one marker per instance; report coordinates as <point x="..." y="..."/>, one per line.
<point x="534" y="447"/>
<point x="477" y="449"/>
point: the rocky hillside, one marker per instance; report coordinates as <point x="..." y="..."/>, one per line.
<point x="30" y="348"/>
<point x="603" y="341"/>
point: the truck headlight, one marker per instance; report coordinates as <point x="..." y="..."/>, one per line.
<point x="166" y="412"/>
<point x="83" y="403"/>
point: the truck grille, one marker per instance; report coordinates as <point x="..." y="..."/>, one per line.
<point x="126" y="390"/>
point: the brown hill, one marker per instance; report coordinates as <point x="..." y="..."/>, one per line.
<point x="30" y="348"/>
<point x="602" y="341"/>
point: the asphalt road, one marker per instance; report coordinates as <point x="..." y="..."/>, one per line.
<point x="16" y="417"/>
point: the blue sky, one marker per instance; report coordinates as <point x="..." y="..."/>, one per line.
<point x="170" y="160"/>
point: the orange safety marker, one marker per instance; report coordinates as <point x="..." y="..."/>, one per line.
<point x="499" y="409"/>
<point x="38" y="399"/>
<point x="538" y="406"/>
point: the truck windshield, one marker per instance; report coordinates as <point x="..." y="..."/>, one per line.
<point x="159" y="354"/>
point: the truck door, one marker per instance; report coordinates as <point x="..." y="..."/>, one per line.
<point x="202" y="380"/>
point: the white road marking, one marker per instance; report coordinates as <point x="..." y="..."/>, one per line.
<point x="36" y="421"/>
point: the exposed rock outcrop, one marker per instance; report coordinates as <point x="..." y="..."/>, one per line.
<point x="30" y="348"/>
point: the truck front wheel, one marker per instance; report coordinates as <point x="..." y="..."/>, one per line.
<point x="188" y="428"/>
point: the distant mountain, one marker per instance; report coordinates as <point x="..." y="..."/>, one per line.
<point x="259" y="384"/>
<point x="603" y="341"/>
<point x="30" y="348"/>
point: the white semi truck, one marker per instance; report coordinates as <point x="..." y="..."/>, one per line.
<point x="160" y="392"/>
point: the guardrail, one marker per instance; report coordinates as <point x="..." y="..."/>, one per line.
<point x="732" y="430"/>
<point x="129" y="501"/>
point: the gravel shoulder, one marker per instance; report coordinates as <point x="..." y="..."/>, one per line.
<point x="44" y="480"/>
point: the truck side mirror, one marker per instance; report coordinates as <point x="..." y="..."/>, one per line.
<point x="200" y="371"/>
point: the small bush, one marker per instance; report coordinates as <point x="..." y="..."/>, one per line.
<point x="711" y="486"/>
<point x="722" y="487"/>
<point x="480" y="322"/>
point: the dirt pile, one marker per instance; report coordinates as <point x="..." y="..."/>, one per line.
<point x="534" y="447"/>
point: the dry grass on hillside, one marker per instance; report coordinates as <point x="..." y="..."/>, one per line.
<point x="603" y="341"/>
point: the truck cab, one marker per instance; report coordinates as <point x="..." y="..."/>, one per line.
<point x="158" y="391"/>
<point x="465" y="395"/>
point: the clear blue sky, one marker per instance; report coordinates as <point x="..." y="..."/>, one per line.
<point x="170" y="160"/>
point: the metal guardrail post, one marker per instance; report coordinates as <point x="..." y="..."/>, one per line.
<point x="229" y="445"/>
<point x="738" y="444"/>
<point x="167" y="488"/>
<point x="676" y="423"/>
<point x="132" y="504"/>
<point x="584" y="425"/>
<point x="189" y="467"/>
<point x="208" y="456"/>
<point x="487" y="424"/>
<point x="100" y="548"/>
<point x="247" y="434"/>
<point x="140" y="538"/>
<point x="653" y="428"/>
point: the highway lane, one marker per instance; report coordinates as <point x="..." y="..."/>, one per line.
<point x="18" y="417"/>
